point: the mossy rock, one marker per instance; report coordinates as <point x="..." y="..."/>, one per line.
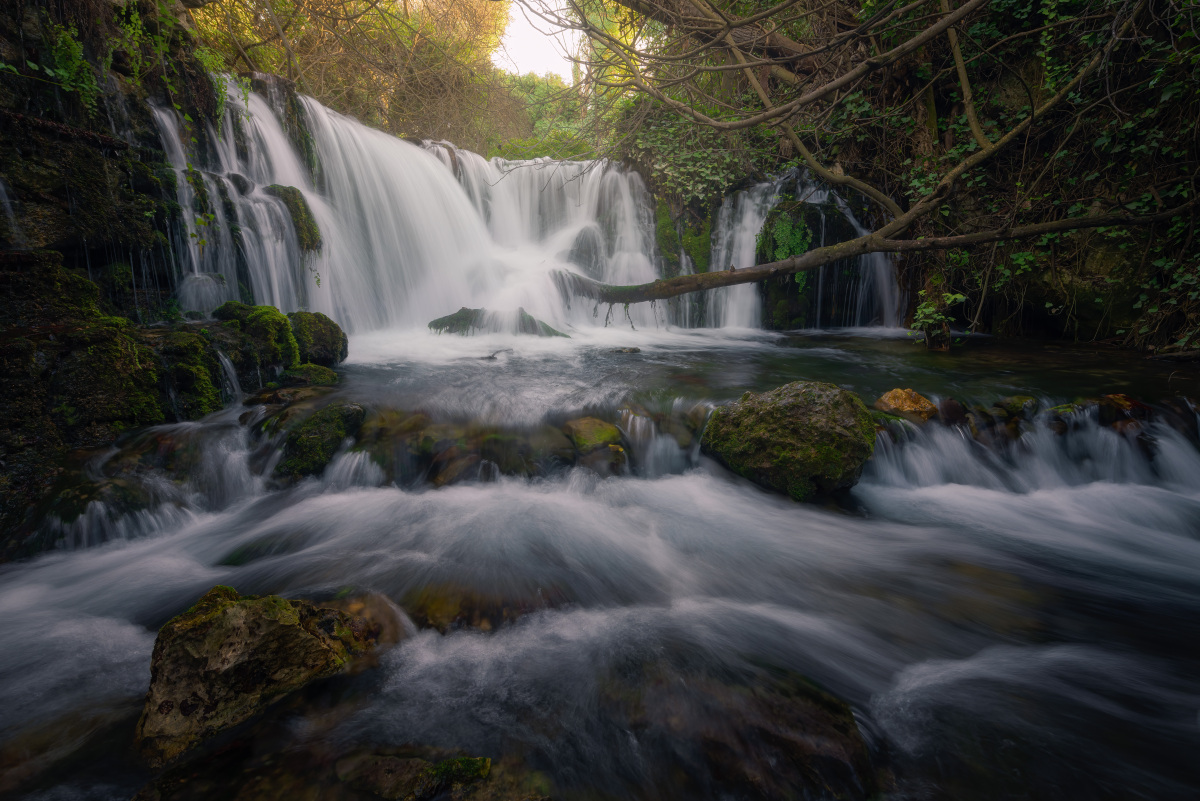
<point x="590" y="433"/>
<point x="804" y="439"/>
<point x="467" y="321"/>
<point x="226" y="658"/>
<point x="308" y="234"/>
<point x="320" y="339"/>
<point x="190" y="367"/>
<point x="308" y="375"/>
<point x="311" y="445"/>
<point x="395" y="777"/>
<point x="269" y="330"/>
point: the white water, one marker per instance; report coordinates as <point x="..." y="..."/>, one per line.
<point x="413" y="233"/>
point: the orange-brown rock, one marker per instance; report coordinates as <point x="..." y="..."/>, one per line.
<point x="907" y="404"/>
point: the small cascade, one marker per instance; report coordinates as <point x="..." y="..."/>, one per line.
<point x="232" y="387"/>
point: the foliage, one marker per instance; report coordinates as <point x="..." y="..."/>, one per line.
<point x="931" y="311"/>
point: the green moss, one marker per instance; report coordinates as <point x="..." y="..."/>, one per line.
<point x="272" y="333"/>
<point x="201" y="203"/>
<point x="463" y="321"/>
<point x="308" y="375"/>
<point x="668" y="240"/>
<point x="589" y="434"/>
<point x="460" y="769"/>
<point x="193" y="374"/>
<point x="528" y="324"/>
<point x="697" y="243"/>
<point x="311" y="445"/>
<point x="231" y="310"/>
<point x="320" y="339"/>
<point x="308" y="234"/>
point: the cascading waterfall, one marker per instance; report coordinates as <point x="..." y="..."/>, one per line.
<point x="410" y="233"/>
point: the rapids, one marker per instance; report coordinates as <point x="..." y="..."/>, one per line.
<point x="1007" y="624"/>
<point x="1018" y="622"/>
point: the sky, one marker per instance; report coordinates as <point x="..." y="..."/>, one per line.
<point x="526" y="48"/>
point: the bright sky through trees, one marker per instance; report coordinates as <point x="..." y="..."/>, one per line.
<point x="533" y="45"/>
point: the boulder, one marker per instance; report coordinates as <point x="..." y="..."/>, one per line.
<point x="804" y="439"/>
<point x="467" y="321"/>
<point x="308" y="375"/>
<point x="320" y="340"/>
<point x="598" y="445"/>
<point x="907" y="404"/>
<point x="312" y="443"/>
<point x="228" y="657"/>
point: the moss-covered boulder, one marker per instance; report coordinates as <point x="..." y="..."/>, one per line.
<point x="308" y="375"/>
<point x="222" y="661"/>
<point x="190" y="366"/>
<point x="411" y="778"/>
<point x="308" y="234"/>
<point x="320" y="339"/>
<point x="269" y="331"/>
<point x="803" y="439"/>
<point x="312" y="443"/>
<point x="598" y="445"/>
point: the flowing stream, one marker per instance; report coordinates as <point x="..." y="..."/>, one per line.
<point x="1009" y="621"/>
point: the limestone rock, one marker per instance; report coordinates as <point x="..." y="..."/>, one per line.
<point x="228" y="657"/>
<point x="907" y="404"/>
<point x="804" y="439"/>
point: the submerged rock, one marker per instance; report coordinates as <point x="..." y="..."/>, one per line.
<point x="803" y="439"/>
<point x="222" y="661"/>
<point x="320" y="340"/>
<point x="312" y="443"/>
<point x="412" y="778"/>
<point x="907" y="404"/>
<point x="448" y="606"/>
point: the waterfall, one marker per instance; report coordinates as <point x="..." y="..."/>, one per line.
<point x="855" y="292"/>
<point x="411" y="232"/>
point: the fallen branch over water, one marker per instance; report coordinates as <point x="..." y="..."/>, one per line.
<point x="573" y="284"/>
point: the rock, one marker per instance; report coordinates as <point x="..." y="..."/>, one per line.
<point x="311" y="445"/>
<point x="598" y="445"/>
<point x="951" y="412"/>
<point x="410" y="779"/>
<point x="627" y="350"/>
<point x="803" y="439"/>
<point x="386" y="623"/>
<point x="320" y="340"/>
<point x="1022" y="407"/>
<point x="243" y="184"/>
<point x="267" y="328"/>
<point x="907" y="404"/>
<point x="308" y="375"/>
<point x="308" y="235"/>
<point x="589" y="433"/>
<point x="448" y="606"/>
<point x="467" y="321"/>
<point x="225" y="659"/>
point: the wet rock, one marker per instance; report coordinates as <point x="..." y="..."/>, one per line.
<point x="311" y="445"/>
<point x="1022" y="407"/>
<point x="1122" y="412"/>
<point x="308" y="375"/>
<point x="308" y="234"/>
<point x="267" y="328"/>
<point x="627" y="350"/>
<point x="447" y="606"/>
<point x="803" y="439"/>
<point x="320" y="340"/>
<point x="467" y="321"/>
<point x="386" y="623"/>
<point x="907" y="404"/>
<point x="410" y="779"/>
<point x="222" y="661"/>
<point x="274" y="395"/>
<point x="951" y="412"/>
<point x="243" y="184"/>
<point x="598" y="445"/>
